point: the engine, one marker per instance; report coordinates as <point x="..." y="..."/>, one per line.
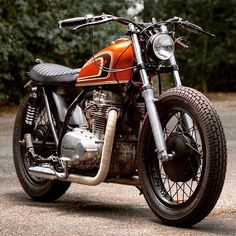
<point x="83" y="145"/>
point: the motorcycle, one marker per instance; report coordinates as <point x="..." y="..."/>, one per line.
<point x="104" y="123"/>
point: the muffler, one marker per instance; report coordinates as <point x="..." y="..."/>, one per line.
<point x="42" y="172"/>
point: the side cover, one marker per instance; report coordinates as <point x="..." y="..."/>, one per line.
<point x="101" y="69"/>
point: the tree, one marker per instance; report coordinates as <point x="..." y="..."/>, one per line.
<point x="208" y="64"/>
<point x="28" y="30"/>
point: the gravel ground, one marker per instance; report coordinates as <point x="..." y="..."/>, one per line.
<point x="107" y="209"/>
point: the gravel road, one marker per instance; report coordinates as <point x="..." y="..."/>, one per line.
<point x="107" y="209"/>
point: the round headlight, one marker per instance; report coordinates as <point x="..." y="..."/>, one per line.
<point x="163" y="46"/>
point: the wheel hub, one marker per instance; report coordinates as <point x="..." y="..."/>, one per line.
<point x="185" y="163"/>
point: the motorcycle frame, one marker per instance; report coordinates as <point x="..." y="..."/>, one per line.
<point x="84" y="150"/>
<point x="147" y="93"/>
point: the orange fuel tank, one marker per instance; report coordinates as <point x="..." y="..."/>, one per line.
<point x="111" y="65"/>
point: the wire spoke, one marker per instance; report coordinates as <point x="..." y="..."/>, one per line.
<point x="178" y="192"/>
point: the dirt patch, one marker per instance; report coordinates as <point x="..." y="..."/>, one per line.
<point x="221" y="96"/>
<point x="7" y="109"/>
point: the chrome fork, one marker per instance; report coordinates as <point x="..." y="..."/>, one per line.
<point x="148" y="95"/>
<point x="187" y="121"/>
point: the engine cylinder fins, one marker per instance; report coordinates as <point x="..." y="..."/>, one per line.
<point x="99" y="114"/>
<point x="104" y="97"/>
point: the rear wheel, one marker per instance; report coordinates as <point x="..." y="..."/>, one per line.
<point x="182" y="191"/>
<point x="37" y="188"/>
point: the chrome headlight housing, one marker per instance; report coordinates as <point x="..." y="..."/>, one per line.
<point x="162" y="46"/>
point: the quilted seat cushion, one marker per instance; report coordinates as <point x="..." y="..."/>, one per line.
<point x="53" y="74"/>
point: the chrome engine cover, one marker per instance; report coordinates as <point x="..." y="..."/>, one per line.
<point x="82" y="147"/>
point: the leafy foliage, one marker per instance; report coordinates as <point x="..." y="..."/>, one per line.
<point x="28" y="30"/>
<point x="208" y="64"/>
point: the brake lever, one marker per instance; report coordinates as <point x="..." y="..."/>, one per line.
<point x="191" y="27"/>
<point x="181" y="42"/>
<point x="208" y="33"/>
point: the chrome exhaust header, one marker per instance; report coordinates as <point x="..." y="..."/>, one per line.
<point x="48" y="172"/>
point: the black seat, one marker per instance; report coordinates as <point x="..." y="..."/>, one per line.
<point x="53" y="74"/>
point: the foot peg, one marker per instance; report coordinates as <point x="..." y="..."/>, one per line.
<point x="48" y="172"/>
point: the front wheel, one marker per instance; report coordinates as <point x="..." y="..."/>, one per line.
<point x="183" y="191"/>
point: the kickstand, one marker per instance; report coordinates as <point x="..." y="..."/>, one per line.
<point x="140" y="190"/>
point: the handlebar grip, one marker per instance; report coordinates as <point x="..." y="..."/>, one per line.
<point x="73" y="21"/>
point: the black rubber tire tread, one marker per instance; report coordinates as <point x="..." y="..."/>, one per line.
<point x="47" y="191"/>
<point x="216" y="158"/>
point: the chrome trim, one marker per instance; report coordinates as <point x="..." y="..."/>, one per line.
<point x="48" y="172"/>
<point x="148" y="96"/>
<point x="176" y="76"/>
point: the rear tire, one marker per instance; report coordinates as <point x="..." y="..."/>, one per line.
<point x="37" y="188"/>
<point x="183" y="191"/>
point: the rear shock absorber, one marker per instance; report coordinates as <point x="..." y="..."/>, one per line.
<point x="30" y="117"/>
<point x="31" y="110"/>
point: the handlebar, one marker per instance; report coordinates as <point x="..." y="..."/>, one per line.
<point x="189" y="26"/>
<point x="194" y="28"/>
<point x="81" y="22"/>
<point x="72" y="21"/>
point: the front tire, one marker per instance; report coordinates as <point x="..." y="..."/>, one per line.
<point x="183" y="191"/>
<point x="37" y="188"/>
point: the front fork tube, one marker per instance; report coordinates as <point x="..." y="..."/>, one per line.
<point x="175" y="73"/>
<point x="154" y="119"/>
<point x="187" y="121"/>
<point x="148" y="95"/>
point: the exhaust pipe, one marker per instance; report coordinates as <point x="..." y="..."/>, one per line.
<point x="48" y="173"/>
